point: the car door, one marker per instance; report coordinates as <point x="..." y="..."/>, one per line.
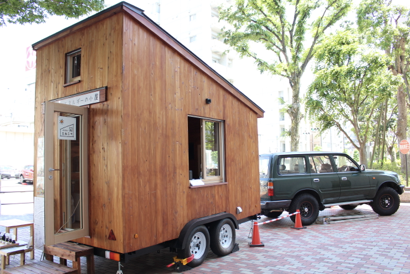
<point x="354" y="185"/>
<point x="292" y="176"/>
<point x="324" y="178"/>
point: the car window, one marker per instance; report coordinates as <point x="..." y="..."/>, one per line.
<point x="264" y="166"/>
<point x="320" y="164"/>
<point x="344" y="164"/>
<point x="292" y="165"/>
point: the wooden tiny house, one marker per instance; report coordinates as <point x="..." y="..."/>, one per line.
<point x="137" y="137"/>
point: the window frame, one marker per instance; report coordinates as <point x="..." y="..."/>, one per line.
<point x="69" y="57"/>
<point x="209" y="180"/>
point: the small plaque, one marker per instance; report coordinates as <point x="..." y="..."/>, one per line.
<point x="67" y="128"/>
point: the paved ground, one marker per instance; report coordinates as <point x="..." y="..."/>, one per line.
<point x="376" y="245"/>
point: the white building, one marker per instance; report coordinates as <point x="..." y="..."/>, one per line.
<point x="195" y="23"/>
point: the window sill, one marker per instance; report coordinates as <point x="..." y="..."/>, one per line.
<point x="72" y="83"/>
<point x="210" y="184"/>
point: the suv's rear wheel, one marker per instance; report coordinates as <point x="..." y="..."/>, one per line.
<point x="308" y="207"/>
<point x="348" y="207"/>
<point x="386" y="202"/>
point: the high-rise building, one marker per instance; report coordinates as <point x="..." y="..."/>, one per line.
<point x="196" y="24"/>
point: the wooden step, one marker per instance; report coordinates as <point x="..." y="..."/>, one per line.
<point x="43" y="267"/>
<point x="73" y="252"/>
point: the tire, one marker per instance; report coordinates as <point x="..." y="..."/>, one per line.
<point x="273" y="214"/>
<point x="223" y="236"/>
<point x="386" y="202"/>
<point x="348" y="207"/>
<point x="21" y="179"/>
<point x="308" y="207"/>
<point x="197" y="244"/>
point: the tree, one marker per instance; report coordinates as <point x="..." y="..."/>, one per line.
<point x="282" y="28"/>
<point x="351" y="83"/>
<point x="36" y="11"/>
<point x="388" y="28"/>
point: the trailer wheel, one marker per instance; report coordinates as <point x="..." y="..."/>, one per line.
<point x="197" y="244"/>
<point x="223" y="236"/>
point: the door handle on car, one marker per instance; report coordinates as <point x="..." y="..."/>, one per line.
<point x="344" y="178"/>
<point x="316" y="180"/>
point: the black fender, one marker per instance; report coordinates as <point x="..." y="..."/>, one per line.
<point x="183" y="236"/>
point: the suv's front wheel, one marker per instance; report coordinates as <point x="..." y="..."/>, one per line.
<point x="386" y="202"/>
<point x="308" y="207"/>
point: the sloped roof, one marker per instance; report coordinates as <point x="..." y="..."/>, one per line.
<point x="139" y="15"/>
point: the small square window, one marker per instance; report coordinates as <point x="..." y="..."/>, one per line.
<point x="192" y="39"/>
<point x="192" y="17"/>
<point x="73" y="66"/>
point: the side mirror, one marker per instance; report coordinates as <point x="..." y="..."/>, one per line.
<point x="362" y="167"/>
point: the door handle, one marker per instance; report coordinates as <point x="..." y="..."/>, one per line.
<point x="316" y="180"/>
<point x="344" y="178"/>
<point x="52" y="169"/>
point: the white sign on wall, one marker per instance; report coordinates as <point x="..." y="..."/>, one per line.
<point x="82" y="100"/>
<point x="66" y="128"/>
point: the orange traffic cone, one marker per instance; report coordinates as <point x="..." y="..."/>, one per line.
<point x="298" y="221"/>
<point x="256" y="241"/>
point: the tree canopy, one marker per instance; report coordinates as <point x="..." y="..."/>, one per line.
<point x="351" y="83"/>
<point x="387" y="27"/>
<point x="36" y="11"/>
<point x="289" y="30"/>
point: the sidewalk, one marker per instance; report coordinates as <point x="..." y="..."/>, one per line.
<point x="367" y="246"/>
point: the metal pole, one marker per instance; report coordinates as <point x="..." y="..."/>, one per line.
<point x="407" y="176"/>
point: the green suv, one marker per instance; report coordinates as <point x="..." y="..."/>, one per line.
<point x="313" y="181"/>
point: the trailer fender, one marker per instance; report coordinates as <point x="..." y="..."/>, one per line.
<point x="183" y="236"/>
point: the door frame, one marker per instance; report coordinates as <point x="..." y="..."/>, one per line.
<point x="49" y="127"/>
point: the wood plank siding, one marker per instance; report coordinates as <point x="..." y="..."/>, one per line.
<point x="138" y="139"/>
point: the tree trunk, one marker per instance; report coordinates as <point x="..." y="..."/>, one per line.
<point x="384" y="112"/>
<point x="401" y="123"/>
<point x="390" y="150"/>
<point x="294" y="113"/>
<point x="376" y="139"/>
<point x="362" y="154"/>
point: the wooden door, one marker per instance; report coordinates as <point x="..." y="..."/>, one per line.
<point x="66" y="182"/>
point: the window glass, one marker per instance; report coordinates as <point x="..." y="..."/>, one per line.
<point x="212" y="148"/>
<point x="320" y="164"/>
<point x="73" y="63"/>
<point x="344" y="164"/>
<point x="292" y="165"/>
<point x="264" y="167"/>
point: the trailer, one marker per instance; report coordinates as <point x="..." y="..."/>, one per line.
<point x="139" y="144"/>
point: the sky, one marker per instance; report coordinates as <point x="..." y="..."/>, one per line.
<point x="16" y="38"/>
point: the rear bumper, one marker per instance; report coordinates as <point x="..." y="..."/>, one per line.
<point x="269" y="205"/>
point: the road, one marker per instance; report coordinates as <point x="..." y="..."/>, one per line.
<point x="21" y="196"/>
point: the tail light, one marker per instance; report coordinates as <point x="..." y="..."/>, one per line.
<point x="271" y="189"/>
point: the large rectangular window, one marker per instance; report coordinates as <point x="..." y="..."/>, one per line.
<point x="73" y="66"/>
<point x="206" y="156"/>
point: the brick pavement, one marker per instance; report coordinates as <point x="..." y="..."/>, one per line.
<point x="377" y="245"/>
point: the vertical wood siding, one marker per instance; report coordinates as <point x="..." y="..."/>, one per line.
<point x="162" y="88"/>
<point x="138" y="139"/>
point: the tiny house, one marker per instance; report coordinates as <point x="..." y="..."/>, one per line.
<point x="139" y="144"/>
